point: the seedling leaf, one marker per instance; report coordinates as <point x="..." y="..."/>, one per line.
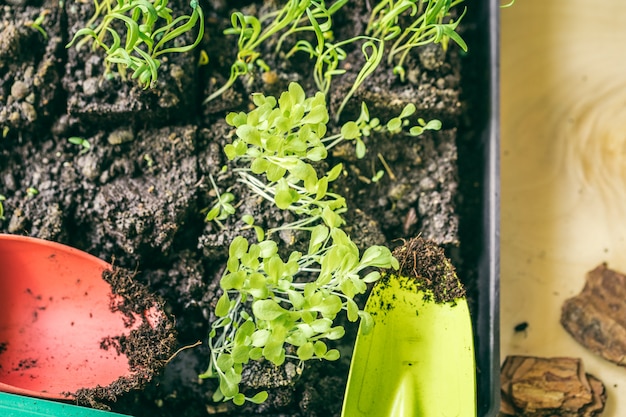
<point x="267" y="310"/>
<point x="259" y="398"/>
<point x="223" y="305"/>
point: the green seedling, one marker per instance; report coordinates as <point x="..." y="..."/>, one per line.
<point x="2" y="198"/>
<point x="203" y="59"/>
<point x="150" y="32"/>
<point x="258" y="230"/>
<point x="398" y="123"/>
<point x="418" y="359"/>
<point x="148" y="159"/>
<point x="327" y="53"/>
<point x="283" y="307"/>
<point x="379" y="174"/>
<point x="38" y="22"/>
<point x="277" y="306"/>
<point x="430" y="23"/>
<point x="365" y="125"/>
<point x="222" y="208"/>
<point x="292" y="18"/>
<point x="281" y="138"/>
<point x="32" y="191"/>
<point x="373" y="52"/>
<point x="82" y="142"/>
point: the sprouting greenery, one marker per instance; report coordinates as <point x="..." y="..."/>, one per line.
<point x="271" y="301"/>
<point x="82" y="142"/>
<point x="292" y="18"/>
<point x="38" y="22"/>
<point x="32" y="191"/>
<point x="2" y="198"/>
<point x="387" y="34"/>
<point x="430" y="22"/>
<point x="151" y="30"/>
<point x="222" y="208"/>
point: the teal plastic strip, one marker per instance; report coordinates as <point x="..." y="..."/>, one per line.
<point x="12" y="405"/>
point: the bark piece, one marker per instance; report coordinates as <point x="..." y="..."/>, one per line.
<point x="547" y="387"/>
<point x="596" y="318"/>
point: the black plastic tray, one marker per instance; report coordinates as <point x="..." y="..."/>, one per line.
<point x="487" y="323"/>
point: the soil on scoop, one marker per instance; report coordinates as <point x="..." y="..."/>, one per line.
<point x="148" y="347"/>
<point x="430" y="269"/>
<point x="140" y="192"/>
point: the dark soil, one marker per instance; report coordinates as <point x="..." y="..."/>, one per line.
<point x="30" y="69"/>
<point x="140" y="193"/>
<point x="431" y="270"/>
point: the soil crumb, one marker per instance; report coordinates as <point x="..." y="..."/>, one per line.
<point x="26" y="364"/>
<point x="148" y="347"/>
<point x="432" y="270"/>
<point x="542" y="387"/>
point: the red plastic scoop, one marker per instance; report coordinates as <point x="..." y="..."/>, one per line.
<point x="54" y="314"/>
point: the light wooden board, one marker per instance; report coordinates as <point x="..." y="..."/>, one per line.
<point x="563" y="95"/>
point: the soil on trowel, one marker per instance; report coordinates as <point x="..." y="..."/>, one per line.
<point x="430" y="269"/>
<point x="148" y="347"/>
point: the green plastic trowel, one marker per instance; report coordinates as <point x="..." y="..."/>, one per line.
<point x="12" y="405"/>
<point x="418" y="360"/>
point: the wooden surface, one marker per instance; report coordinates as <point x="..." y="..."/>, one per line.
<point x="563" y="189"/>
